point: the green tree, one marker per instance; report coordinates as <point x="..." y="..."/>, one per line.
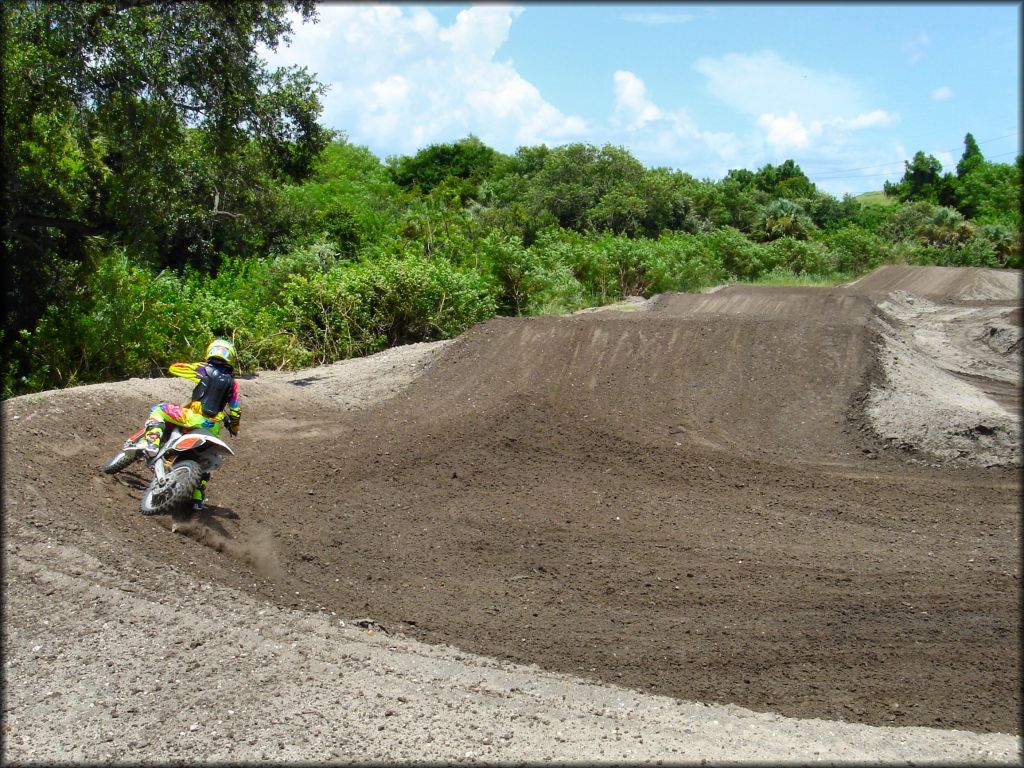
<point x="463" y="165"/>
<point x="620" y="210"/>
<point x="588" y="189"/>
<point x="829" y="213"/>
<point x="738" y="202"/>
<point x="502" y="200"/>
<point x="782" y="218"/>
<point x="855" y="251"/>
<point x="574" y="179"/>
<point x="922" y="180"/>
<point x="945" y="226"/>
<point x="148" y="123"/>
<point x="351" y="198"/>
<point x="527" y="161"/>
<point x="971" y="157"/>
<point x="991" y="193"/>
<point x="742" y="178"/>
<point x="670" y="202"/>
<point x="784" y="181"/>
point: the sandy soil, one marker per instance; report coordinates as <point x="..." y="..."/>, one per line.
<point x="756" y="524"/>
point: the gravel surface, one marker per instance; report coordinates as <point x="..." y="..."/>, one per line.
<point x="149" y="640"/>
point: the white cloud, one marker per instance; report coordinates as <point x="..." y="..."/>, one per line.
<point x="763" y="82"/>
<point x="872" y="119"/>
<point x="943" y="93"/>
<point x="916" y="49"/>
<point x="785" y="132"/>
<point x="514" y="100"/>
<point x="657" y="136"/>
<point x="391" y="93"/>
<point x="788" y="132"/>
<point x="479" y="31"/>
<point x="399" y="80"/>
<point x="631" y="102"/>
<point x="795" y="112"/>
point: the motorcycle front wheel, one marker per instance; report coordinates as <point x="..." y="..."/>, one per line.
<point x="182" y="478"/>
<point x="120" y="461"/>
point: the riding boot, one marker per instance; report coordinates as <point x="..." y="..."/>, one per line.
<point x="199" y="494"/>
<point x="154" y="432"/>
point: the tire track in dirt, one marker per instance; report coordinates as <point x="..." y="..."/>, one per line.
<point x="688" y="501"/>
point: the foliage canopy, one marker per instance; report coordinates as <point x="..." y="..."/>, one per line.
<point x="163" y="186"/>
<point x="152" y="125"/>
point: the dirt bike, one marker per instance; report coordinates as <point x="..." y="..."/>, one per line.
<point x="178" y="465"/>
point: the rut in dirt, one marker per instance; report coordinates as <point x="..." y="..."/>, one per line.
<point x="684" y="501"/>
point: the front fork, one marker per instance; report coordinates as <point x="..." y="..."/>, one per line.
<point x="159" y="467"/>
<point x="158" y="463"/>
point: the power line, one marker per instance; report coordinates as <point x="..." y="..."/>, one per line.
<point x="894" y="164"/>
<point x="901" y="162"/>
<point x="827" y="176"/>
<point x="986" y="141"/>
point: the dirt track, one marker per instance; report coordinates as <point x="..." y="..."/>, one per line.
<point x="795" y="501"/>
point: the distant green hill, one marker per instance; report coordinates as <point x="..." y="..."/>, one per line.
<point x="874" y="198"/>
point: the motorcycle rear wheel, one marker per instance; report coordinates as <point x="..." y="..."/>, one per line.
<point x="183" y="478"/>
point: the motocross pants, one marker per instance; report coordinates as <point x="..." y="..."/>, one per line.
<point x="166" y="413"/>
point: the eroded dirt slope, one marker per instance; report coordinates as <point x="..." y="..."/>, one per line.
<point x="693" y="500"/>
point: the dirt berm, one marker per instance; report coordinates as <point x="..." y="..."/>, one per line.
<point x="751" y="524"/>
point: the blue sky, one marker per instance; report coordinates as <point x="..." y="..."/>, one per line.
<point x="847" y="90"/>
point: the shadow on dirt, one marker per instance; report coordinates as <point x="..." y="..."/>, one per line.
<point x="209" y="518"/>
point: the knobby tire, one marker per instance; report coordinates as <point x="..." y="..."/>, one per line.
<point x="182" y="479"/>
<point x="120" y="461"/>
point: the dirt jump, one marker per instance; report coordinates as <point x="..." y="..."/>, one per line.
<point x="748" y="524"/>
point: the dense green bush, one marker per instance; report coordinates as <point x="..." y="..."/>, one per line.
<point x="611" y="267"/>
<point x="683" y="262"/>
<point x="528" y="281"/>
<point x="1005" y="241"/>
<point x="246" y="297"/>
<point x="741" y="257"/>
<point x="782" y="218"/>
<point x="363" y="255"/>
<point x="855" y="250"/>
<point x="359" y="309"/>
<point x="802" y="257"/>
<point x="977" y="252"/>
<point x="124" y="320"/>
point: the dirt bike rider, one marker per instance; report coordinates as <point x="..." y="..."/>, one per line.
<point x="215" y="400"/>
